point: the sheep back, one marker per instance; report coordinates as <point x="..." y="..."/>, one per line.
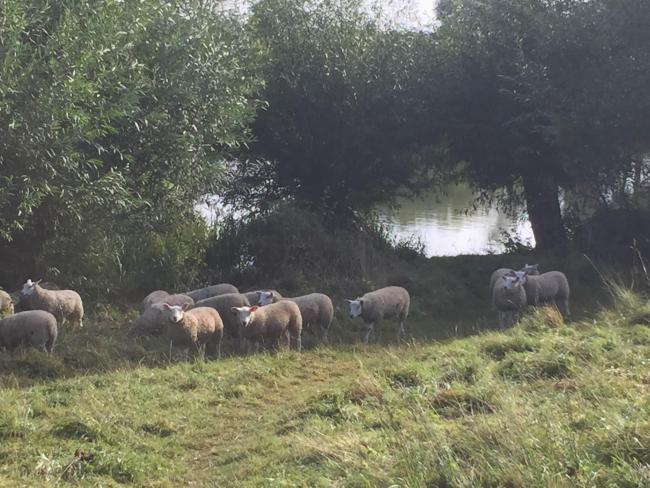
<point x="254" y="296"/>
<point x="200" y="326"/>
<point x="37" y="328"/>
<point x="273" y="320"/>
<point x="63" y="304"/>
<point x="223" y="304"/>
<point x="211" y="291"/>
<point x="389" y="302"/>
<point x="315" y="309"/>
<point x="547" y="287"/>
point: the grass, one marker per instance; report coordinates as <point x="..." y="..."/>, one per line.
<point x="542" y="404"/>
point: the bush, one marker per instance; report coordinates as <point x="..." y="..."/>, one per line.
<point x="293" y="248"/>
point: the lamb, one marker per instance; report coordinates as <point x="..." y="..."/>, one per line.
<point x="200" y="327"/>
<point x="531" y="269"/>
<point x="63" y="304"/>
<point x="211" y="291"/>
<point x="508" y="299"/>
<point x="35" y="328"/>
<point x="268" y="296"/>
<point x="274" y="321"/>
<point x="316" y="309"/>
<point x="223" y="304"/>
<point x="6" y="303"/>
<point x="374" y="306"/>
<point x="551" y="287"/>
<point x="161" y="296"/>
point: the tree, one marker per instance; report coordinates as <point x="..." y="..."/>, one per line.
<point x="114" y="118"/>
<point x="526" y="95"/>
<point x="335" y="132"/>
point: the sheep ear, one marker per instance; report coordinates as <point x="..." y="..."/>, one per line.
<point x="166" y="306"/>
<point x="38" y="281"/>
<point x="234" y="310"/>
<point x="253" y="309"/>
<point x="185" y="306"/>
<point x="361" y="302"/>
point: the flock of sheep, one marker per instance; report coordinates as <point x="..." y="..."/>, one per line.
<point x="199" y="318"/>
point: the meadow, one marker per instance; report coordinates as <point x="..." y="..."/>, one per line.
<point x="542" y="404"/>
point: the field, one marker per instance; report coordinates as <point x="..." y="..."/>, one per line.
<point x="542" y="404"/>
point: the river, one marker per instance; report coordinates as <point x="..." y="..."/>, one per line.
<point x="446" y="228"/>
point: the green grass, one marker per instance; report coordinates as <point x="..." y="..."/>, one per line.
<point x="543" y="404"/>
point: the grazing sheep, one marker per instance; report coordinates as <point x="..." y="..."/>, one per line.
<point x="211" y="291"/>
<point x="223" y="304"/>
<point x="6" y="303"/>
<point x="35" y="328"/>
<point x="531" y="269"/>
<point x="269" y="296"/>
<point x="550" y="287"/>
<point x="316" y="309"/>
<point x="508" y="299"/>
<point x="63" y="304"/>
<point x="200" y="327"/>
<point x="374" y="306"/>
<point x="151" y="322"/>
<point x="161" y="296"/>
<point x="274" y="321"/>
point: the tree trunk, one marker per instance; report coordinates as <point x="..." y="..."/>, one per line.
<point x="543" y="203"/>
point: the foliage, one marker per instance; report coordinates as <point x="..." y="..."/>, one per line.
<point x="115" y="115"/>
<point x="335" y="133"/>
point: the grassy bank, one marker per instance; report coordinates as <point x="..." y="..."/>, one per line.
<point x="543" y="404"/>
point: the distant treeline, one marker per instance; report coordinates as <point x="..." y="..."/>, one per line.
<point x="116" y="117"/>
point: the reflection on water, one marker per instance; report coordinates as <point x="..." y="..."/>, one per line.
<point x="446" y="229"/>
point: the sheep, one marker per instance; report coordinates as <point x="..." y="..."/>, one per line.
<point x="161" y="296"/>
<point x="550" y="287"/>
<point x="508" y="299"/>
<point x="531" y="269"/>
<point x="36" y="328"/>
<point x="211" y="291"/>
<point x="223" y="304"/>
<point x="200" y="327"/>
<point x="374" y="306"/>
<point x="151" y="322"/>
<point x="268" y="296"/>
<point x="6" y="303"/>
<point x="316" y="309"/>
<point x="274" y="321"/>
<point x="63" y="304"/>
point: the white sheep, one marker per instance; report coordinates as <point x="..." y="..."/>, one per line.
<point x="211" y="291"/>
<point x="35" y="328"/>
<point x="161" y="296"/>
<point x="223" y="304"/>
<point x="530" y="269"/>
<point x="200" y="327"/>
<point x="550" y="287"/>
<point x="508" y="299"/>
<point x="63" y="304"/>
<point x="316" y="309"/>
<point x="269" y="296"/>
<point x="374" y="306"/>
<point x="6" y="303"/>
<point x="274" y="322"/>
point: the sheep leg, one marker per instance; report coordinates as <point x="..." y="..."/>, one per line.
<point x="500" y="318"/>
<point x="567" y="311"/>
<point x="400" y="332"/>
<point x="299" y="343"/>
<point x="287" y="334"/>
<point x="219" y="339"/>
<point x="369" y="329"/>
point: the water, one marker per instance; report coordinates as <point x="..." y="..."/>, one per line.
<point x="446" y="229"/>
